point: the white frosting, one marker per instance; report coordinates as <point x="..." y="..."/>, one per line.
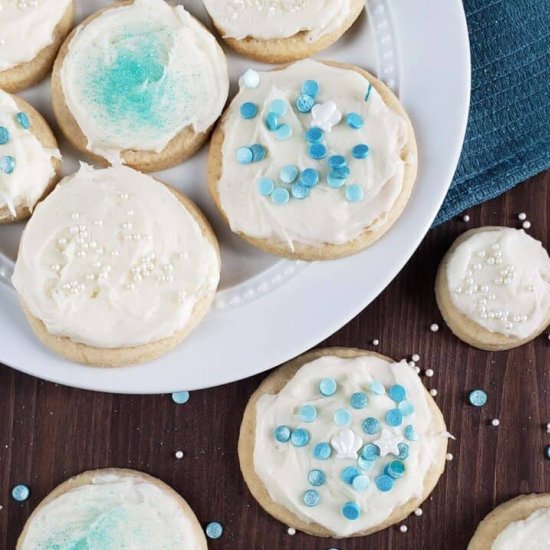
<point x="113" y="259"/>
<point x="136" y="76"/>
<point x="501" y="280"/>
<point x="325" y="216"/>
<point x="284" y="468"/>
<point x="272" y="19"/>
<point x="33" y="162"/>
<point x="26" y="28"/>
<point x="533" y="532"/>
<point x="110" y="513"/>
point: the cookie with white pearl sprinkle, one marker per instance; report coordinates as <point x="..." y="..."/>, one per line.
<point x="493" y="288"/>
<point x="342" y="442"/>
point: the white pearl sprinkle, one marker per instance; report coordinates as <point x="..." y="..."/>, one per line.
<point x="75" y="215"/>
<point x="130" y="286"/>
<point x="418" y="512"/>
<point x="526" y="225"/>
<point x="415" y="357"/>
<point x="429" y="373"/>
<point x="291" y="531"/>
<point x="434" y="327"/>
<point x="522" y="216"/>
<point x="375" y="342"/>
<point x="403" y="528"/>
<point x="466" y="218"/>
<point x="433" y="392"/>
<point x="178" y="454"/>
<point x="417" y="369"/>
<point x="548" y="428"/>
<point x="495" y="422"/>
<point x="98" y="223"/>
<point x="548" y="336"/>
<point x="412" y="364"/>
<point x="449" y="457"/>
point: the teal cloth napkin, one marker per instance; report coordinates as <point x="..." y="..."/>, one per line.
<point x="508" y="135"/>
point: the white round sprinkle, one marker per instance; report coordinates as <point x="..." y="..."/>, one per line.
<point x="403" y="528"/>
<point x="449" y="457"/>
<point x="417" y="369"/>
<point x="466" y="218"/>
<point x="178" y="454"/>
<point x="429" y="373"/>
<point x="415" y="357"/>
<point x="412" y="364"/>
<point x="434" y="327"/>
<point x="495" y="422"/>
<point x="291" y="531"/>
<point x="548" y="428"/>
<point x="433" y="392"/>
<point x="522" y="216"/>
<point x="549" y="336"/>
<point x="526" y="225"/>
<point x="418" y="512"/>
<point x="375" y="342"/>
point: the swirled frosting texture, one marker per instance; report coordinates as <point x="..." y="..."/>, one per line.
<point x="273" y="19"/>
<point x="33" y="162"/>
<point x="284" y="468"/>
<point x="112" y="259"/>
<point x="110" y="513"/>
<point x="325" y="216"/>
<point x="137" y="75"/>
<point x="533" y="532"/>
<point x="35" y="21"/>
<point x="501" y="280"/>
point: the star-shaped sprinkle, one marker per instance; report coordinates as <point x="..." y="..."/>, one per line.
<point x="388" y="443"/>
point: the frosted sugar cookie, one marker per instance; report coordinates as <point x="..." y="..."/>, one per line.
<point x="31" y="32"/>
<point x="139" y="82"/>
<point x="279" y="31"/>
<point x="30" y="162"/>
<point x="523" y="522"/>
<point x="115" y="268"/>
<point x="312" y="161"/>
<point x="342" y="442"/>
<point x="112" y="509"/>
<point x="493" y="288"/>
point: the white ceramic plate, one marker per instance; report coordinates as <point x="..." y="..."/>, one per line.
<point x="270" y="310"/>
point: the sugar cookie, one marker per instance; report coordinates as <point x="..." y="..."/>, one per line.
<point x="30" y="162"/>
<point x="523" y="522"/>
<point x="112" y="509"/>
<point x="313" y="161"/>
<point x="493" y="288"/>
<point x="342" y="442"/>
<point x="31" y="32"/>
<point x="279" y="31"/>
<point x="139" y="82"/>
<point x="114" y="268"/>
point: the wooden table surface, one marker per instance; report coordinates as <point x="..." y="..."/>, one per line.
<point x="49" y="432"/>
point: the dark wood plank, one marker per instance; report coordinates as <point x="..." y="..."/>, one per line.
<point x="48" y="432"/>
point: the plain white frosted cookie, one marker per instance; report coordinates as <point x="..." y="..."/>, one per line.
<point x="342" y="442"/>
<point x="112" y="509"/>
<point x="115" y="268"/>
<point x="493" y="288"/>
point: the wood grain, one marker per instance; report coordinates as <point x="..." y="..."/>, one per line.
<point x="49" y="432"/>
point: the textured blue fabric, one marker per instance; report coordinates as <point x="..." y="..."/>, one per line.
<point x="508" y="135"/>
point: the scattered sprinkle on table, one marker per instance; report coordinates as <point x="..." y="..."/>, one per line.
<point x="433" y="392"/>
<point x="180" y="397"/>
<point x="291" y="531"/>
<point x="526" y="224"/>
<point x="375" y="342"/>
<point x="20" y="492"/>
<point x="415" y="357"/>
<point x="466" y="218"/>
<point x="418" y="512"/>
<point x="548" y="428"/>
<point x="434" y="327"/>
<point x="522" y="216"/>
<point x="429" y="373"/>
<point x="547" y="452"/>
<point x="214" y="530"/>
<point x="495" y="422"/>
<point x="477" y="398"/>
<point x="449" y="457"/>
<point x="403" y="528"/>
<point x="178" y="454"/>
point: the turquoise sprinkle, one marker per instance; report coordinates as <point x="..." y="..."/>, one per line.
<point x="360" y="151"/>
<point x="348" y="474"/>
<point x="359" y="400"/>
<point x="370" y="452"/>
<point x="310" y="88"/>
<point x="355" y="121"/>
<point x="282" y="434"/>
<point x="279" y="107"/>
<point x="180" y="397"/>
<point x="214" y="530"/>
<point x="249" y="110"/>
<point x="316" y="478"/>
<point x="308" y="413"/>
<point x="360" y="482"/>
<point x="341" y="172"/>
<point x="311" y="498"/>
<point x="403" y="451"/>
<point x="7" y="164"/>
<point x="342" y="417"/>
<point x="258" y="152"/>
<point x="395" y="469"/>
<point x="351" y="510"/>
<point x="265" y="186"/>
<point x="377" y="388"/>
<point x="288" y="173"/>
<point x="20" y="493"/>
<point x="272" y="121"/>
<point x="322" y="451"/>
<point x="384" y="483"/>
<point x="304" y="103"/>
<point x="251" y="79"/>
<point x="406" y="408"/>
<point x="547" y="452"/>
<point x="245" y="155"/>
<point x="280" y="196"/>
<point x="314" y="135"/>
<point x="23" y="120"/>
<point x="397" y="393"/>
<point x="354" y="193"/>
<point x="335" y="182"/>
<point x="336" y="161"/>
<point x="309" y="177"/>
<point x="365" y="464"/>
<point x="371" y="425"/>
<point x="367" y="95"/>
<point x="477" y="398"/>
<point x="299" y="437"/>
<point x="283" y="132"/>
<point x="328" y="386"/>
<point x="299" y="191"/>
<point x="4" y="135"/>
<point x="410" y="433"/>
<point x="317" y="151"/>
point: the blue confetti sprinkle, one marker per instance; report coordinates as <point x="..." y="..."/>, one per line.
<point x="299" y="437"/>
<point x="249" y="110"/>
<point x="547" y="452"/>
<point x="308" y="413"/>
<point x="314" y="135"/>
<point x="7" y="164"/>
<point x="272" y="121"/>
<point x="406" y="408"/>
<point x="288" y="173"/>
<point x="282" y="434"/>
<point x="335" y="182"/>
<point x="384" y="483"/>
<point x="280" y="196"/>
<point x="245" y="155"/>
<point x="403" y="451"/>
<point x="299" y="191"/>
<point x="351" y="510"/>
<point x="355" y="121"/>
<point x="180" y="397"/>
<point x="322" y="451"/>
<point x="360" y="151"/>
<point x="370" y="452"/>
<point x="304" y="103"/>
<point x="20" y="493"/>
<point x="317" y="151"/>
<point x="360" y="482"/>
<point x="354" y="193"/>
<point x="23" y="120"/>
<point x="311" y="498"/>
<point x="328" y="386"/>
<point x="265" y="186"/>
<point x="395" y="469"/>
<point x="258" y="152"/>
<point x="214" y="530"/>
<point x="309" y="177"/>
<point x="279" y="107"/>
<point x="317" y="478"/>
<point x="342" y="417"/>
<point x="348" y="474"/>
<point x="365" y="464"/>
<point x="397" y="392"/>
<point x="367" y="95"/>
<point x="310" y="88"/>
<point x="359" y="400"/>
<point x="377" y="388"/>
<point x="410" y="433"/>
<point x="371" y="425"/>
<point x="283" y="132"/>
<point x="4" y="135"/>
<point x="477" y="398"/>
<point x="336" y="161"/>
<point x="341" y="172"/>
